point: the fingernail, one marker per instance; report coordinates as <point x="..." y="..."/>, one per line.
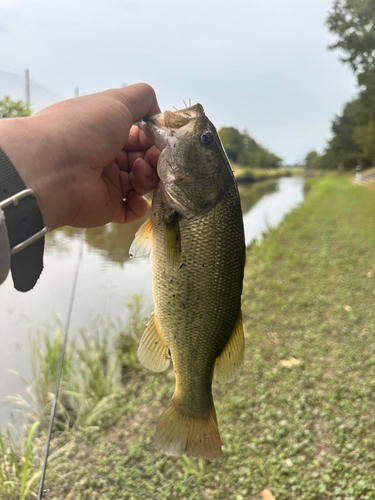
<point x="147" y="169"/>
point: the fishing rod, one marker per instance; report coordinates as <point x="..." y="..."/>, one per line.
<point x="59" y="372"/>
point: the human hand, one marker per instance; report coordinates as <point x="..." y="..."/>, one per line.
<point x="84" y="159"/>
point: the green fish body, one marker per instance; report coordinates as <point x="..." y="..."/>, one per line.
<point x="198" y="254"/>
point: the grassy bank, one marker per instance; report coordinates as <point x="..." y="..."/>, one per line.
<point x="300" y="420"/>
<point x="246" y="175"/>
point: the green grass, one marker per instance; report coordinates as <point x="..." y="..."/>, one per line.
<point x="18" y="475"/>
<point x="104" y="352"/>
<point x="306" y="432"/>
<point x="89" y="399"/>
<point x="128" y="339"/>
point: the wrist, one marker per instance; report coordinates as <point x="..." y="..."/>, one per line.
<point x="34" y="151"/>
<point x="24" y="228"/>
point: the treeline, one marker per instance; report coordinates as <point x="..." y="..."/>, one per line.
<point x="244" y="150"/>
<point x="353" y="141"/>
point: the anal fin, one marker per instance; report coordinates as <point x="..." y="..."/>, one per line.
<point x="153" y="352"/>
<point x="229" y="362"/>
<point x="143" y="240"/>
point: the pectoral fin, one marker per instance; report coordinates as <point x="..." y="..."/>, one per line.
<point x="229" y="362"/>
<point x="153" y="352"/>
<point x="172" y="238"/>
<point x="142" y="240"/>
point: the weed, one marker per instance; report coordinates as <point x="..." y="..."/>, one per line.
<point x="127" y="340"/>
<point x="194" y="468"/>
<point x="45" y="354"/>
<point x="18" y="475"/>
<point x="90" y="374"/>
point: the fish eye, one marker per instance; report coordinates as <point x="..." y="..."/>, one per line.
<point x="206" y="138"/>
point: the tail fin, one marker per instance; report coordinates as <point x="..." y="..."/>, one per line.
<point x="177" y="433"/>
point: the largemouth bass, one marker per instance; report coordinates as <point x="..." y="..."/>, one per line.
<point x="196" y="237"/>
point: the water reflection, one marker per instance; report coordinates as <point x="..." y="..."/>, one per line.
<point x="251" y="193"/>
<point x="113" y="241"/>
<point x="270" y="210"/>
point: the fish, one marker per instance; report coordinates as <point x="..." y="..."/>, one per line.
<point x="195" y="236"/>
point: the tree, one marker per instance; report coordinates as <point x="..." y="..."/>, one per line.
<point x="343" y="149"/>
<point x="269" y="160"/>
<point x="353" y="22"/>
<point x="353" y="140"/>
<point x="12" y="109"/>
<point x="232" y="140"/>
<point x="242" y="148"/>
<point x="364" y="137"/>
<point x="312" y="159"/>
<point x="250" y="154"/>
<point x="342" y="146"/>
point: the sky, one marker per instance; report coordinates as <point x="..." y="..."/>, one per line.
<point x="259" y="65"/>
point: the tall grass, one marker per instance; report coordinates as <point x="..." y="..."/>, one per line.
<point x="18" y="475"/>
<point x="127" y="340"/>
<point x="94" y="364"/>
<point x="104" y="352"/>
<point x="45" y="354"/>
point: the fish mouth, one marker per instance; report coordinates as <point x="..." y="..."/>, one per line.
<point x="179" y="123"/>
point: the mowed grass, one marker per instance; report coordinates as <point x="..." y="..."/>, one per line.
<point x="303" y="428"/>
<point x="310" y="295"/>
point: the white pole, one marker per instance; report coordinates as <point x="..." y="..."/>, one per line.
<point x="76" y="91"/>
<point x="27" y="86"/>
